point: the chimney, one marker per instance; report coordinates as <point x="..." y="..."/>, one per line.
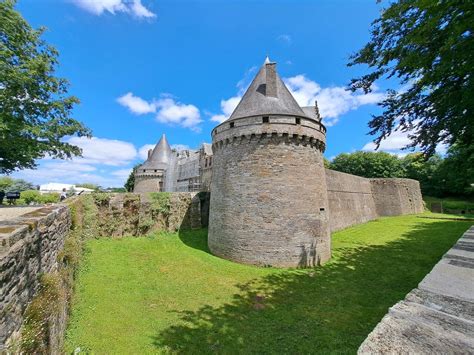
<point x="149" y="153"/>
<point x="271" y="80"/>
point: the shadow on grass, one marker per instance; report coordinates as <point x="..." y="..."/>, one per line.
<point x="195" y="238"/>
<point x="330" y="309"/>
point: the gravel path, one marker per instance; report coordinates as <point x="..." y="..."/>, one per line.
<point x="7" y="213"/>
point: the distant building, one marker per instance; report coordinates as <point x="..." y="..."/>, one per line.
<point x="170" y="170"/>
<point x="58" y="188"/>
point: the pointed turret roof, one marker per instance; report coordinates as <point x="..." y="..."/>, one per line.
<point x="161" y="156"/>
<point x="267" y="95"/>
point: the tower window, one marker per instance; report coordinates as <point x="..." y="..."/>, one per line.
<point x="156" y="171"/>
<point x="298" y="120"/>
<point x="265" y="119"/>
<point x="231" y="125"/>
<point x="144" y="170"/>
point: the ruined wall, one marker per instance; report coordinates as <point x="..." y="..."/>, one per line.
<point x="148" y="183"/>
<point x="354" y="199"/>
<point x="138" y="214"/>
<point x="394" y="197"/>
<point x="29" y="247"/>
<point x="350" y="200"/>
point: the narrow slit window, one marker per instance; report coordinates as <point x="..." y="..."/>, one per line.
<point x="298" y="120"/>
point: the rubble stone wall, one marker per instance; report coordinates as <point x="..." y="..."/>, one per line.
<point x="29" y="247"/>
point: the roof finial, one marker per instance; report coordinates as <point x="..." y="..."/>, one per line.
<point x="267" y="60"/>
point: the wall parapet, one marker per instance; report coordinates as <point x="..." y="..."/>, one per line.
<point x="29" y="247"/>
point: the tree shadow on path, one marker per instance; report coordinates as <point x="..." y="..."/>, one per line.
<point x="330" y="309"/>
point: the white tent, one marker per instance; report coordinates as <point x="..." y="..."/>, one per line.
<point x="58" y="187"/>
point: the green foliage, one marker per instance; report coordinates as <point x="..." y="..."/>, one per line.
<point x="168" y="294"/>
<point x="450" y="203"/>
<point x="327" y="163"/>
<point x="101" y="198"/>
<point x="130" y="183"/>
<point x="424" y="170"/>
<point x="368" y="164"/>
<point x="8" y="184"/>
<point x="428" y="45"/>
<point x="456" y="172"/>
<point x="34" y="196"/>
<point x="160" y="203"/>
<point x="40" y="314"/>
<point x="34" y="107"/>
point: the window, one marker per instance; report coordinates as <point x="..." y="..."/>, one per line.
<point x="156" y="171"/>
<point x="298" y="120"/>
<point x="231" y="125"/>
<point x="205" y="163"/>
<point x="210" y="161"/>
<point x="144" y="170"/>
<point x="265" y="119"/>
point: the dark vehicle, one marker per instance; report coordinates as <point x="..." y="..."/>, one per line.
<point x="12" y="196"/>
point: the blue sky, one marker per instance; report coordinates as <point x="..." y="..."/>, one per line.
<point x="143" y="68"/>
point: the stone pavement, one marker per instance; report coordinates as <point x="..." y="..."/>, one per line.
<point x="438" y="316"/>
<point x="10" y="212"/>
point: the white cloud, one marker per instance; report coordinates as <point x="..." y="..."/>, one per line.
<point x="98" y="7"/>
<point x="227" y="107"/>
<point x="122" y="173"/>
<point x="104" y="151"/>
<point x="393" y="143"/>
<point x="167" y="110"/>
<point x="180" y="147"/>
<point x="136" y="104"/>
<point x="172" y="112"/>
<point x="332" y="101"/>
<point x="143" y="151"/>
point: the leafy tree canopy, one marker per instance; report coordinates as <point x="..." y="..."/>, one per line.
<point x="368" y="164"/>
<point x="8" y="184"/>
<point x="130" y="183"/>
<point x="34" y="107"/>
<point x="429" y="46"/>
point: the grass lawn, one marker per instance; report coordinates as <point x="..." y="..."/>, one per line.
<point x="168" y="294"/>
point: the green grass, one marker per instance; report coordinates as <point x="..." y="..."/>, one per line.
<point x="451" y="203"/>
<point x="167" y="294"/>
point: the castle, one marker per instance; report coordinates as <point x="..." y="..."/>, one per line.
<point x="272" y="201"/>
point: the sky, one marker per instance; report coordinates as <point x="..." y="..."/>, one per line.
<point x="142" y="68"/>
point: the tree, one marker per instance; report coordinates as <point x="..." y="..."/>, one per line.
<point x="456" y="173"/>
<point x="8" y="184"/>
<point x="34" y="107"/>
<point x="369" y="164"/>
<point x="429" y="46"/>
<point x="424" y="170"/>
<point x="130" y="183"/>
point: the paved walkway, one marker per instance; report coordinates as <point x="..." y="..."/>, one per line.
<point x="7" y="212"/>
<point x="438" y="316"/>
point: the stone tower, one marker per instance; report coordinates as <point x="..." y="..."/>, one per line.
<point x="151" y="175"/>
<point x="269" y="201"/>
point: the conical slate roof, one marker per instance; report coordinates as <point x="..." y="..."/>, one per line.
<point x="160" y="158"/>
<point x="267" y="95"/>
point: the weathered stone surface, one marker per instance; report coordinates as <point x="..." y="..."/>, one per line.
<point x="29" y="247"/>
<point x="437" y="317"/>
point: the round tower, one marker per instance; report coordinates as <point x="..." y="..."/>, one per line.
<point x="151" y="175"/>
<point x="268" y="191"/>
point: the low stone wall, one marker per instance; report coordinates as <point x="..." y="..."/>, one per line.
<point x="438" y="316"/>
<point x="137" y="214"/>
<point x="29" y="247"/>
<point x="354" y="199"/>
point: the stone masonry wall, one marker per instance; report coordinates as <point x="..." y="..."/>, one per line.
<point x="394" y="197"/>
<point x="268" y="202"/>
<point x="29" y="246"/>
<point x="354" y="199"/>
<point x="350" y="200"/>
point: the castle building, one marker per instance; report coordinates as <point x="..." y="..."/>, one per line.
<point x="268" y="191"/>
<point x="272" y="202"/>
<point x="171" y="170"/>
